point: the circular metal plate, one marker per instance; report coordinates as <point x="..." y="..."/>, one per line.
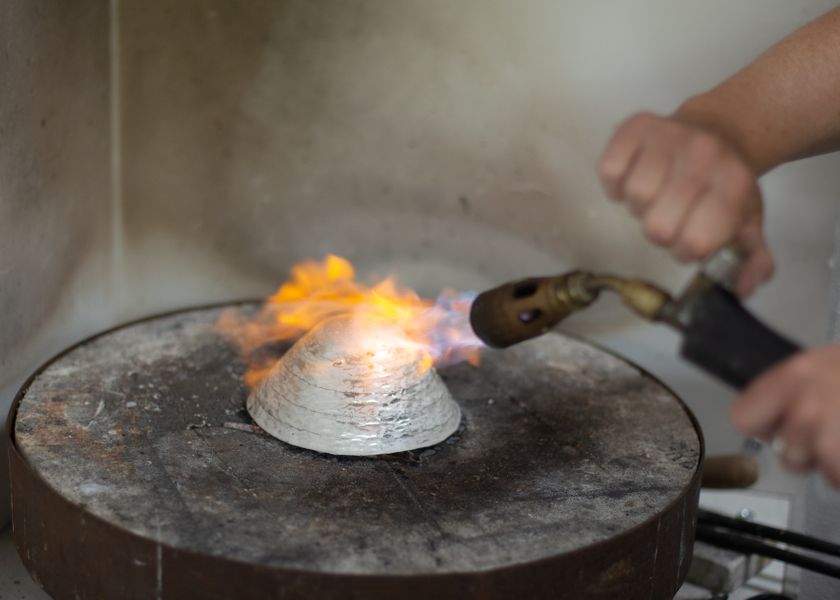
<point x="574" y="473"/>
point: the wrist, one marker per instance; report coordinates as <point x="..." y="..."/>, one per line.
<point x="704" y="112"/>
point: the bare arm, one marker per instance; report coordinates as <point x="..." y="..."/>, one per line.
<point x="785" y="105"/>
<point x="691" y="178"/>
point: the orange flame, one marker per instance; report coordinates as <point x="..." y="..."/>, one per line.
<point x="317" y="291"/>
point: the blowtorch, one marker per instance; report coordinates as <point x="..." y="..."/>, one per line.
<point x="719" y="335"/>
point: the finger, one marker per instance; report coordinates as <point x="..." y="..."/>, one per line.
<point x="645" y="179"/>
<point x="665" y="219"/>
<point x="827" y="448"/>
<point x="758" y="411"/>
<point x="759" y="265"/>
<point x="757" y="269"/>
<point x="689" y="179"/>
<point x="719" y="215"/>
<point x="621" y="152"/>
<point x="798" y="432"/>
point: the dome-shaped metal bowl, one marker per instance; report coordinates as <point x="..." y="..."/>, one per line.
<point x="354" y="387"/>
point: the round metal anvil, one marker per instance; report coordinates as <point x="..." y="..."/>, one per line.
<point x="355" y="386"/>
<point x="136" y="473"/>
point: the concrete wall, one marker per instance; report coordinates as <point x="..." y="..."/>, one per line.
<point x="451" y="142"/>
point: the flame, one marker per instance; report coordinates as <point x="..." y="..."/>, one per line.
<point x="438" y="331"/>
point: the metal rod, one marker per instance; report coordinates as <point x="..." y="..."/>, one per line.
<point x="807" y="542"/>
<point x="749" y="545"/>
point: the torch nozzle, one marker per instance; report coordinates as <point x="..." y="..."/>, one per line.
<point x="521" y="310"/>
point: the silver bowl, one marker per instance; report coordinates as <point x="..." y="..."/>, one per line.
<point x="355" y="386"/>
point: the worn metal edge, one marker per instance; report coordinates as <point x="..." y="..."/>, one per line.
<point x="91" y="557"/>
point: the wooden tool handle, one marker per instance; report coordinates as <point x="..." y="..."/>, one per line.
<point x="729" y="471"/>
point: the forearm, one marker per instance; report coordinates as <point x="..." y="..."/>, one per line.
<point x="785" y="105"/>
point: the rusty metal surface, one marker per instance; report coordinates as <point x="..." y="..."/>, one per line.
<point x="575" y="474"/>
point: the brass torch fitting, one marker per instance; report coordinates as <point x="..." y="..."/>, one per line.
<point x="642" y="297"/>
<point x="518" y="311"/>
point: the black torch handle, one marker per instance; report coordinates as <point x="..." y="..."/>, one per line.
<point x="725" y="339"/>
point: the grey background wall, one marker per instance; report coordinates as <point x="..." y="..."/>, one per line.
<point x="160" y="154"/>
<point x="56" y="216"/>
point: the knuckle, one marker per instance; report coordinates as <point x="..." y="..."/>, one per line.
<point x="800" y="368"/>
<point x="636" y="125"/>
<point x="641" y="119"/>
<point x="607" y="169"/>
<point x="696" y="245"/>
<point x="659" y="230"/>
<point x="695" y="174"/>
<point x="692" y="187"/>
<point x="806" y="412"/>
<point x="639" y="188"/>
<point x="741" y="183"/>
<point x="609" y="165"/>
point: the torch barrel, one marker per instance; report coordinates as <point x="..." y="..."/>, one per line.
<point x="521" y="310"/>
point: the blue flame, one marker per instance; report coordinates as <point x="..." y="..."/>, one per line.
<point x="451" y="337"/>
